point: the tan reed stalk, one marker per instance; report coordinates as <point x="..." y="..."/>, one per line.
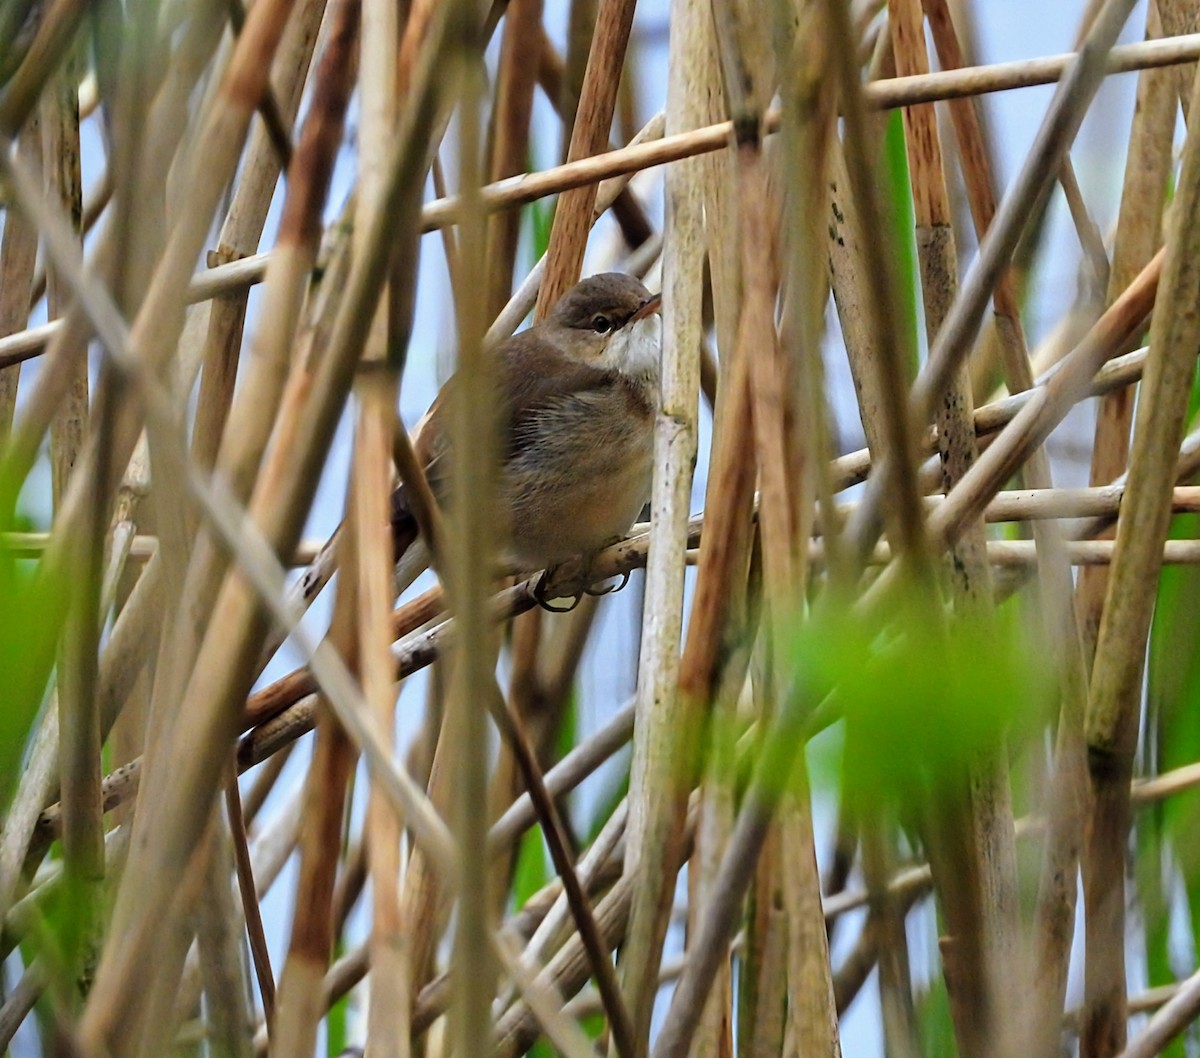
<point x="18" y="254"/>
<point x="283" y="507"/>
<point x="711" y="209"/>
<point x="60" y="149"/>
<point x="849" y="243"/>
<point x="515" y="82"/>
<point x="1179" y="16"/>
<point x="519" y="190"/>
<point x="1139" y="234"/>
<point x="474" y="429"/>
<point x="627" y="211"/>
<point x="299" y="1008"/>
<point x="996" y="248"/>
<point x="891" y="353"/>
<point x="747" y="61"/>
<point x="241" y="231"/>
<point x="809" y="109"/>
<point x="79" y="752"/>
<point x="970" y="836"/>
<point x="1113" y="704"/>
<point x="655" y="846"/>
<point x="659" y="709"/>
<point x="222" y="966"/>
<point x="55" y="35"/>
<point x="422" y="899"/>
<point x="390" y="1002"/>
<point x="525" y="692"/>
<point x="244" y="871"/>
<point x="589" y="134"/>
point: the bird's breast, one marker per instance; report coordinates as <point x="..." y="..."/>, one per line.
<point x="585" y="476"/>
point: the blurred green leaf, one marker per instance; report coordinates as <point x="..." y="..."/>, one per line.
<point x="336" y="1019"/>
<point x="532" y="869"/>
<point x="1173" y="734"/>
<point x="897" y="185"/>
<point x="934" y="1024"/>
<point x="919" y="702"/>
<point x="30" y="615"/>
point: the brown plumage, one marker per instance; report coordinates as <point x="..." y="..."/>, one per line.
<point x="578" y="394"/>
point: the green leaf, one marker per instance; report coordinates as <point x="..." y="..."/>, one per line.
<point x="897" y="187"/>
<point x="532" y="871"/>
<point x="32" y="613"/>
<point x="336" y="1019"/>
<point x="919" y="702"/>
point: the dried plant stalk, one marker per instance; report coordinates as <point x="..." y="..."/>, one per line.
<point x="1113" y="702"/>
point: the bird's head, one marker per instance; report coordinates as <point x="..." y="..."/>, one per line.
<point x="611" y="321"/>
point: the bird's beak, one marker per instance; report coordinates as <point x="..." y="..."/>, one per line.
<point x="647" y="308"/>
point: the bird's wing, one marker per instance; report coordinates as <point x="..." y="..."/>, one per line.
<point x="536" y="376"/>
<point x="532" y="376"/>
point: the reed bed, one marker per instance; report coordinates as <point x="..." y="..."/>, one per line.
<point x="907" y="760"/>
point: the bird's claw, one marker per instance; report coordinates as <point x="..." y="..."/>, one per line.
<point x="597" y="593"/>
<point x="540" y="597"/>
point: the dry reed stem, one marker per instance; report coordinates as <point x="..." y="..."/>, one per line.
<point x="18" y="256"/>
<point x="555" y="835"/>
<point x="748" y="63"/>
<point x="1139" y="233"/>
<point x="894" y="92"/>
<point x="1057" y="900"/>
<point x="969" y="838"/>
<point x="299" y="1008"/>
<point x="244" y="869"/>
<point x="54" y="37"/>
<point x="284" y="504"/>
<point x="221" y="956"/>
<point x="390" y="1001"/>
<point x="809" y="109"/>
<point x="891" y="352"/>
<point x="474" y="432"/>
<point x="515" y="81"/>
<point x="658" y="706"/>
<point x="996" y="248"/>
<point x="60" y="150"/>
<point x="1113" y="704"/>
<point x="1044" y="410"/>
<point x="79" y="751"/>
<point x="589" y="134"/>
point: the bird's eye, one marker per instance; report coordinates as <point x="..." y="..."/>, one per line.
<point x="601" y="324"/>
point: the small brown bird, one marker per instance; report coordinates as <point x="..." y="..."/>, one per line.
<point x="578" y="395"/>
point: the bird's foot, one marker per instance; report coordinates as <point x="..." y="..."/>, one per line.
<point x="598" y="592"/>
<point x="543" y="600"/>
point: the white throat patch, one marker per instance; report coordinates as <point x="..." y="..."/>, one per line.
<point x="635" y="349"/>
